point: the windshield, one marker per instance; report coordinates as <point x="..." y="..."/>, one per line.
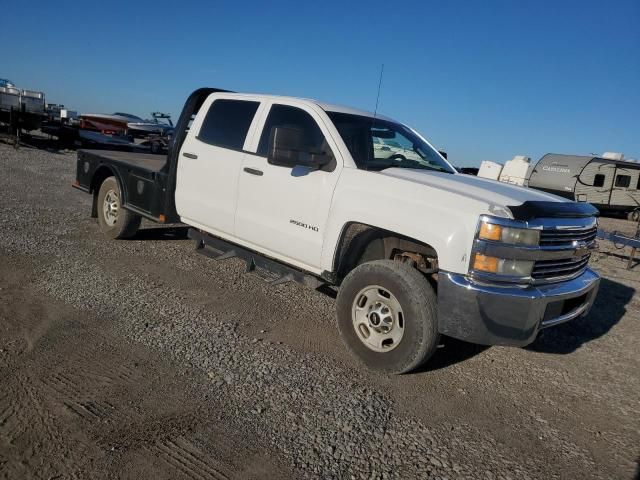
<point x="377" y="144"/>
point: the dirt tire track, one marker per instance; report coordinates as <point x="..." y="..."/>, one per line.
<point x="87" y="399"/>
<point x="186" y="458"/>
<point x="48" y="450"/>
<point x="13" y="421"/>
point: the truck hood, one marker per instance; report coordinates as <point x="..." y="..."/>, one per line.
<point x="483" y="190"/>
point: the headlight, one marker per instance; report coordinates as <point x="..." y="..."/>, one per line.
<point x="502" y="266"/>
<point x="510" y="235"/>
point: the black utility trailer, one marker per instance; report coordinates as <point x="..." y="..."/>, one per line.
<point x="10" y="119"/>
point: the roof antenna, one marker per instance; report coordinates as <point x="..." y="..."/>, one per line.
<point x="375" y="112"/>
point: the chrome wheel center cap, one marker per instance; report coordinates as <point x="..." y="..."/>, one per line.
<point x="380" y="317"/>
<point x="377" y="318"/>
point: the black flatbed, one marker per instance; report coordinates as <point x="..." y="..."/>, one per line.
<point x="147" y="161"/>
<point x="143" y="179"/>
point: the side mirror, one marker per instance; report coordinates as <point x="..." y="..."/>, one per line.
<point x="443" y="153"/>
<point x="287" y="149"/>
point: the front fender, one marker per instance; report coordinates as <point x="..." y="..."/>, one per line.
<point x="446" y="221"/>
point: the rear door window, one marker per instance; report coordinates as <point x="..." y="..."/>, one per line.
<point x="227" y="123"/>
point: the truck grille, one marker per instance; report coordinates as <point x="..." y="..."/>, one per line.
<point x="551" y="239"/>
<point x="557" y="269"/>
<point x="559" y="238"/>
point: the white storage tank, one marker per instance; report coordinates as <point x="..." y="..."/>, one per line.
<point x="613" y="156"/>
<point x="9" y="98"/>
<point x="33" y="101"/>
<point x="490" y="170"/>
<point x="516" y="170"/>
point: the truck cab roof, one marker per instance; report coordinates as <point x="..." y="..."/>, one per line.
<point x="327" y="107"/>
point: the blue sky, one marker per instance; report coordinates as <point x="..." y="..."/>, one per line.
<point x="485" y="80"/>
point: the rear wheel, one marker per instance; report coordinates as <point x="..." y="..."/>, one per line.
<point x="115" y="221"/>
<point x="387" y="316"/>
<point x="634" y="215"/>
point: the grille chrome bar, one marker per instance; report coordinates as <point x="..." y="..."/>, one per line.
<point x="556" y="237"/>
<point x="568" y="269"/>
<point x="551" y="265"/>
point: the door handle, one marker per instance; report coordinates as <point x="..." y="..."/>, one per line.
<point x="253" y="171"/>
<point x="189" y="155"/>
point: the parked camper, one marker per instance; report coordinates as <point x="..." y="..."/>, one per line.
<point x="516" y="171"/>
<point x="610" y="185"/>
<point x="490" y="170"/>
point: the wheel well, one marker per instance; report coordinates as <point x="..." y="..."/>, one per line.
<point x="361" y="243"/>
<point x="101" y="174"/>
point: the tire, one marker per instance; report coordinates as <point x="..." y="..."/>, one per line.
<point x="115" y="222"/>
<point x="634" y="215"/>
<point x="401" y="285"/>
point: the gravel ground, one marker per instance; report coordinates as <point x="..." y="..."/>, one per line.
<point x="194" y="369"/>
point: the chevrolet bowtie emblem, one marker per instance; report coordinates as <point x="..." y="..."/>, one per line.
<point x="581" y="249"/>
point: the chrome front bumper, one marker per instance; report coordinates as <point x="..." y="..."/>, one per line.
<point x="509" y="315"/>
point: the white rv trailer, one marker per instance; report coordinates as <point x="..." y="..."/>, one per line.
<point x="610" y="185"/>
<point x="490" y="170"/>
<point x="516" y="171"/>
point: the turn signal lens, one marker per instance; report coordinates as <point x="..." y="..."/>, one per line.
<point x="490" y="232"/>
<point x="482" y="263"/>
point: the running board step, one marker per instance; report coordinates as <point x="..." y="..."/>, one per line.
<point x="271" y="271"/>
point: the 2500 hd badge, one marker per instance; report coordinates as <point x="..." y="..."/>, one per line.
<point x="303" y="225"/>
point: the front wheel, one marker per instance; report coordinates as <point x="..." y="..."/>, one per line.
<point x="115" y="221"/>
<point x="387" y="316"/>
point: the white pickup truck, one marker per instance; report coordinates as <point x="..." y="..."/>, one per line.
<point x="340" y="198"/>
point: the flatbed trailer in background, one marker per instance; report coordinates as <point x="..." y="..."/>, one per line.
<point x="621" y="241"/>
<point x="20" y="110"/>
